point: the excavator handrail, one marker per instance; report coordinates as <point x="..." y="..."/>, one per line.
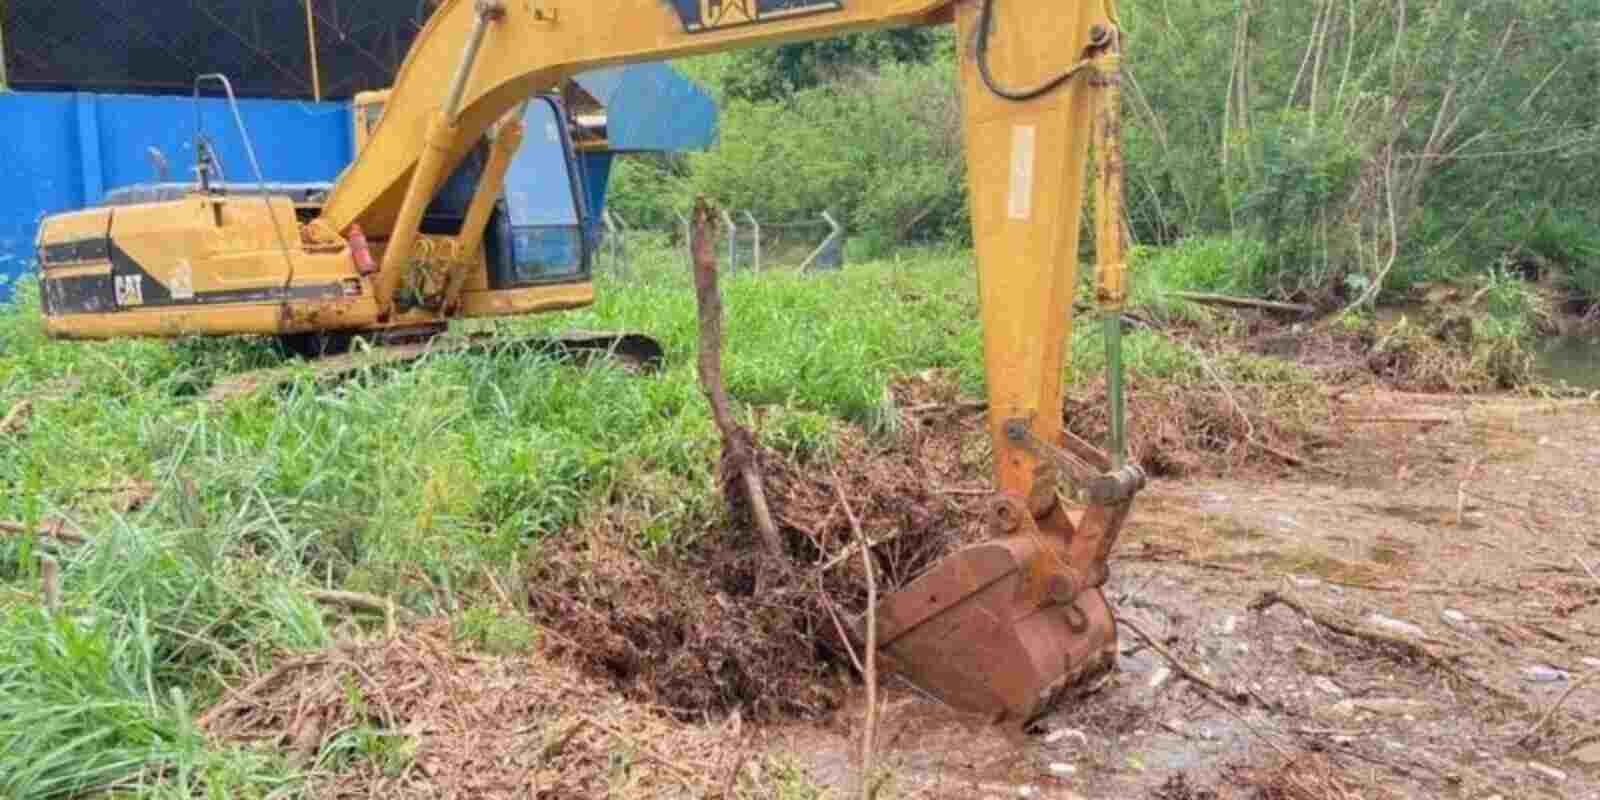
<point x="255" y="165"/>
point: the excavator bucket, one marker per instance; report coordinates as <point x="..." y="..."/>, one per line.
<point x="1003" y="628"/>
<point x="967" y="633"/>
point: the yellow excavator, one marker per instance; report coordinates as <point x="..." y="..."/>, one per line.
<point x="1002" y="628"/>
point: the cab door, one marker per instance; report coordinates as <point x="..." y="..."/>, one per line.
<point x="537" y="234"/>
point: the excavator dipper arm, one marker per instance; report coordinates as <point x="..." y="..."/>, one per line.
<point x="1001" y="627"/>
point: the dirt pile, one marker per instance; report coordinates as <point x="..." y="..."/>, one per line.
<point x="418" y="715"/>
<point x="1415" y="350"/>
<point x="717" y="626"/>
<point x="1176" y="429"/>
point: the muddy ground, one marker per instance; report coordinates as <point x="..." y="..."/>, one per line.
<point x="1462" y="528"/>
<point x="1390" y="612"/>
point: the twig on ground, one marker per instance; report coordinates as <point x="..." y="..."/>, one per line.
<point x="247" y="693"/>
<point x="683" y="773"/>
<point x="1407" y="646"/>
<point x="1182" y="668"/>
<point x="50" y="583"/>
<point x="850" y="550"/>
<point x="1554" y="707"/>
<point x="1228" y="301"/>
<point x="555" y="746"/>
<point x="730" y="789"/>
<point x="358" y="602"/>
<point x="1586" y="568"/>
<point x="15" y="417"/>
<point x="947" y="408"/>
<point x="57" y="529"/>
<point x="868" y="733"/>
<point x="499" y="591"/>
<point x="738" y="450"/>
<point x="1429" y="419"/>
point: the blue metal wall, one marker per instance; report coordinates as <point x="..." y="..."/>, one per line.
<point x="64" y="151"/>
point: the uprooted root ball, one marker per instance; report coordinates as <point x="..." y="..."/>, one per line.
<point x="717" y="626"/>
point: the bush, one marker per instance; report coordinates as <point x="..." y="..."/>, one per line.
<point x="881" y="150"/>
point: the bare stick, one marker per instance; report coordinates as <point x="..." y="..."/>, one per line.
<point x="1402" y="644"/>
<point x="1545" y="720"/>
<point x="50" y="583"/>
<point x="683" y="773"/>
<point x="872" y="545"/>
<point x="1227" y="301"/>
<point x="15" y="417"/>
<point x="1182" y="668"/>
<point x="55" y="530"/>
<point x="737" y="446"/>
<point x="558" y="744"/>
<point x="1586" y="568"/>
<point x="236" y="698"/>
<point x="867" y="734"/>
<point x="356" y="601"/>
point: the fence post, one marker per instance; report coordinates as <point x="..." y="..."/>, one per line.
<point x="755" y="231"/>
<point x="614" y="238"/>
<point x="830" y="243"/>
<point x="733" y="240"/>
<point x="688" y="237"/>
<point x="5" y="82"/>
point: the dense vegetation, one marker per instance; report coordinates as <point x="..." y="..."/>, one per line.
<point x="1349" y="147"/>
<point x="1326" y="151"/>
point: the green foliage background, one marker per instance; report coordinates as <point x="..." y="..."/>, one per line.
<point x="1301" y="126"/>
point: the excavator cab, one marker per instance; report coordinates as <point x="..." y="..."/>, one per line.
<point x="537" y="230"/>
<point x="253" y="261"/>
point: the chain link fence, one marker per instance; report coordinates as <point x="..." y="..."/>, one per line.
<point x="744" y="243"/>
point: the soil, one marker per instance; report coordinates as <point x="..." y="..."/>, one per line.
<point x="1470" y="535"/>
<point x="1443" y="544"/>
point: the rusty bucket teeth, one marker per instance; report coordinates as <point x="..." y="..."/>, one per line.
<point x="965" y="632"/>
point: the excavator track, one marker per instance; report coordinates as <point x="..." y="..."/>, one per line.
<point x="635" y="352"/>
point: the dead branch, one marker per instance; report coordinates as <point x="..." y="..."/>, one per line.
<point x="1230" y="301"/>
<point x="852" y="548"/>
<point x="683" y="773"/>
<point x="738" y="450"/>
<point x="1554" y="707"/>
<point x="56" y="529"/>
<point x="1586" y="568"/>
<point x="358" y="602"/>
<point x="16" y="416"/>
<point x="50" y="583"/>
<point x="237" y="698"/>
<point x="947" y="408"/>
<point x="868" y="733"/>
<point x="1414" y="419"/>
<point x="1393" y="642"/>
<point x="1182" y="668"/>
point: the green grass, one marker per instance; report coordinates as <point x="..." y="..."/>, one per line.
<point x="411" y="486"/>
<point x="414" y="485"/>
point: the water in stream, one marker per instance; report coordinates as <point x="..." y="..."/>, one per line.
<point x="1573" y="359"/>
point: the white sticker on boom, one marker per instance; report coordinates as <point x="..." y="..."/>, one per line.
<point x="1022" y="149"/>
<point x="182" y="286"/>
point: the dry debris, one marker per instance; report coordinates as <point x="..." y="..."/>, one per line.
<point x="417" y="715"/>
<point x="688" y="632"/>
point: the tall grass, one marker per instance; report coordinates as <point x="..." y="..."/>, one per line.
<point x="412" y="484"/>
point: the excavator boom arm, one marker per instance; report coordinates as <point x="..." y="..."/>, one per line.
<point x="1000" y="627"/>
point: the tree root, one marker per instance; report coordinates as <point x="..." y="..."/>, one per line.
<point x="1400" y="644"/>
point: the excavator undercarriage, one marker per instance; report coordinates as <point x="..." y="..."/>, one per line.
<point x="1001" y="628"/>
